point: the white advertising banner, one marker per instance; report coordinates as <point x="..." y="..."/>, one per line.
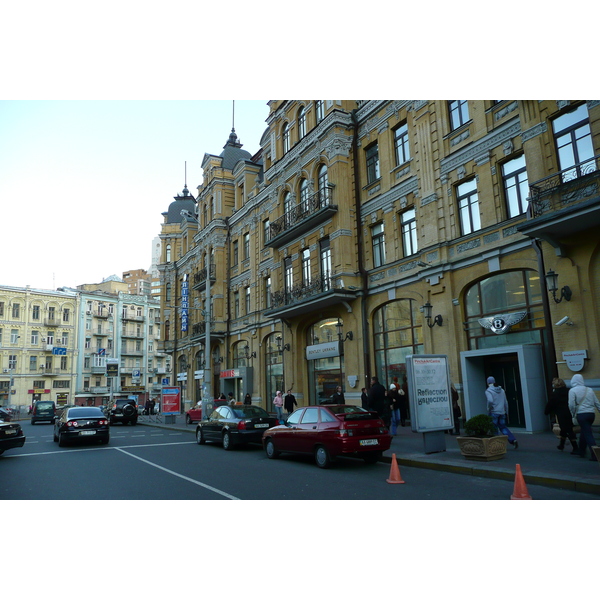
<point x="429" y="392"/>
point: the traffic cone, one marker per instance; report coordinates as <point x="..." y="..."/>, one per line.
<point x="520" y="490"/>
<point x="395" y="472"/>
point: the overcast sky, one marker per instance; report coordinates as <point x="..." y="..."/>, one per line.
<point x="83" y="183"/>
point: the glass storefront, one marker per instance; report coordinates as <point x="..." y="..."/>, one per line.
<point x="274" y="370"/>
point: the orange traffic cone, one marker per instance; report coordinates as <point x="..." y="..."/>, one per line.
<point x="395" y="472"/>
<point x="520" y="490"/>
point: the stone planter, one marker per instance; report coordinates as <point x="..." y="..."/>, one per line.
<point x="483" y="449"/>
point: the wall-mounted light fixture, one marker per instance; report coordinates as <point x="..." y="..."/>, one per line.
<point x="437" y="320"/>
<point x="247" y="352"/>
<point x="552" y="285"/>
<point x="340" y="327"/>
<point x="280" y="346"/>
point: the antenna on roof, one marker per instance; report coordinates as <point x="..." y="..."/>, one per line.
<point x="185" y="174"/>
<point x="233" y="116"/>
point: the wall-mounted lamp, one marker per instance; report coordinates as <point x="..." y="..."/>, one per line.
<point x="340" y="333"/>
<point x="281" y="347"/>
<point x="437" y="320"/>
<point x="247" y="352"/>
<point x="552" y="285"/>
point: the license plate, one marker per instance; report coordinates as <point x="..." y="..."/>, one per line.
<point x="261" y="425"/>
<point x="369" y="442"/>
<point x="88" y="432"/>
<point x="10" y="431"/>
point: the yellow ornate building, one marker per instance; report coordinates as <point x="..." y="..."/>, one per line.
<point x="362" y="232"/>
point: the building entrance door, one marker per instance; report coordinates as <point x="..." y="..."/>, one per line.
<point x="505" y="370"/>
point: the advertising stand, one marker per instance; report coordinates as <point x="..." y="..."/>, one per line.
<point x="430" y="396"/>
<point x="170" y="403"/>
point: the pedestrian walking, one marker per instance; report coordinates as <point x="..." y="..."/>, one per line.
<point x="152" y="405"/>
<point x="558" y="405"/>
<point x="338" y="396"/>
<point x="394" y="394"/>
<point x="582" y="401"/>
<point x="456" y="412"/>
<point x="230" y="398"/>
<point x="364" y="399"/>
<point x="376" y="396"/>
<point x="497" y="406"/>
<point x="247" y="399"/>
<point x="147" y="407"/>
<point x="289" y="402"/>
<point x="278" y="404"/>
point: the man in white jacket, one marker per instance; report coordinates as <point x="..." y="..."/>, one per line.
<point x="497" y="406"/>
<point x="582" y="401"/>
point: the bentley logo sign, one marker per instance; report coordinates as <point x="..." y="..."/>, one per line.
<point x="500" y="324"/>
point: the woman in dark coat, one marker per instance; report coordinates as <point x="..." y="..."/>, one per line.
<point x="558" y="404"/>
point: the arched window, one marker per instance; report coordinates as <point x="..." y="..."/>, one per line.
<point x="304" y="195"/>
<point x="323" y="181"/>
<point x="239" y="355"/>
<point x="167" y="330"/>
<point x="285" y="135"/>
<point x="301" y="123"/>
<point x="397" y="333"/>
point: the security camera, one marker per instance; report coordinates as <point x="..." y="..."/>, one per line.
<point x="563" y="321"/>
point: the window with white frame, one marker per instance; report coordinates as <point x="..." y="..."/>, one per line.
<point x="288" y="274"/>
<point x="301" y="122"/>
<point x="409" y="232"/>
<point x="468" y="207"/>
<point x="325" y="260"/>
<point x="459" y="113"/>
<point x="285" y="135"/>
<point x="516" y="186"/>
<point x="378" y="240"/>
<point x="246" y="246"/>
<point x="247" y="299"/>
<point x="401" y="144"/>
<point x="319" y="110"/>
<point x="306" y="266"/>
<point x="16" y="310"/>
<point x="323" y="181"/>
<point x="14" y="336"/>
<point x="372" y="157"/>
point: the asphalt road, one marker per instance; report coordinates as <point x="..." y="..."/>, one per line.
<point x="143" y="463"/>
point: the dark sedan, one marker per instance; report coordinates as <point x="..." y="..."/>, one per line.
<point x="81" y="423"/>
<point x="233" y="425"/>
<point x="329" y="431"/>
<point x="11" y="436"/>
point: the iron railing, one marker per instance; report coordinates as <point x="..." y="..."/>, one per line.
<point x="304" y="291"/>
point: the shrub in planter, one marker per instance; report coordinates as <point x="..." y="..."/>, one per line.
<point x="481" y="441"/>
<point x="480" y="426"/>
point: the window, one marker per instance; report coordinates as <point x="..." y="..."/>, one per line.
<point x="323" y="186"/>
<point x="235" y="258"/>
<point x="14" y="336"/>
<point x="319" y="110"/>
<point x="325" y="258"/>
<point x="205" y="214"/>
<point x="266" y="231"/>
<point x="459" y="113"/>
<point x="168" y="292"/>
<point x="267" y="292"/>
<point x="33" y="363"/>
<point x="236" y="305"/>
<point x="287" y="208"/>
<point x="372" y="154"/>
<point x="35" y="337"/>
<point x="306" y="266"/>
<point x="35" y="315"/>
<point x="401" y="144"/>
<point x="468" y="207"/>
<point x="50" y="337"/>
<point x="63" y="363"/>
<point x="12" y="361"/>
<point x="16" y="310"/>
<point x="516" y="187"/>
<point x="65" y="338"/>
<point x="247" y="299"/>
<point x="65" y="315"/>
<point x="573" y="140"/>
<point x="301" y="123"/>
<point x="246" y="246"/>
<point x="409" y="232"/>
<point x="378" y="238"/>
<point x="304" y="195"/>
<point x="288" y="273"/>
<point x="168" y="253"/>
<point x="285" y="134"/>
<point x="51" y="313"/>
<point x="2" y="309"/>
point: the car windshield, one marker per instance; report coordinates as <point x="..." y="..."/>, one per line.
<point x="248" y="412"/>
<point x="84" y="412"/>
<point x="44" y="405"/>
<point x="346" y="409"/>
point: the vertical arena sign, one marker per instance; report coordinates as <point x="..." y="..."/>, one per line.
<point x="429" y="392"/>
<point x="184" y="302"/>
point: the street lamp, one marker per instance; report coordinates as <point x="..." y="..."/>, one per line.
<point x="437" y="320"/>
<point x="280" y="346"/>
<point x="340" y="327"/>
<point x="247" y="352"/>
<point x="552" y="285"/>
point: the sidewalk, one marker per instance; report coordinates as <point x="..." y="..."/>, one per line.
<point x="541" y="463"/>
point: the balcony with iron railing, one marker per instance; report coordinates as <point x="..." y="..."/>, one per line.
<point x="564" y="204"/>
<point x="200" y="277"/>
<point x="319" y="293"/>
<point x="303" y="217"/>
<point x="218" y="330"/>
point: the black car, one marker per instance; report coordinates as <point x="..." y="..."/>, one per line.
<point x="81" y="423"/>
<point x="43" y="410"/>
<point x="233" y="425"/>
<point x="123" y="411"/>
<point x="11" y="435"/>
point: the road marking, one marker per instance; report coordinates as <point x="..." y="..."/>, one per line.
<point x="194" y="481"/>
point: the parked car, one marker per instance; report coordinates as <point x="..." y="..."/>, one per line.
<point x="330" y="431"/>
<point x="194" y="414"/>
<point x="82" y="423"/>
<point x="123" y="411"/>
<point x="5" y="415"/>
<point x="43" y="410"/>
<point x="11" y="434"/>
<point x="233" y="425"/>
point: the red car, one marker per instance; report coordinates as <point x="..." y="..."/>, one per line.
<point x="194" y="414"/>
<point x="330" y="431"/>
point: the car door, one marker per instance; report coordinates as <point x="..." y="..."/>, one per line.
<point x="307" y="433"/>
<point x="212" y="427"/>
<point x="285" y="434"/>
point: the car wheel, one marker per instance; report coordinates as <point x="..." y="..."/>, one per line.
<point x="32" y="422"/>
<point x="188" y="420"/>
<point x="372" y="457"/>
<point x="322" y="457"/>
<point x="105" y="440"/>
<point x="270" y="449"/>
<point x="61" y="440"/>
<point x="227" y="441"/>
<point x="200" y="436"/>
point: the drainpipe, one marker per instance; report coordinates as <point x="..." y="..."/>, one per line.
<point x="359" y="241"/>
<point x="546" y="304"/>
